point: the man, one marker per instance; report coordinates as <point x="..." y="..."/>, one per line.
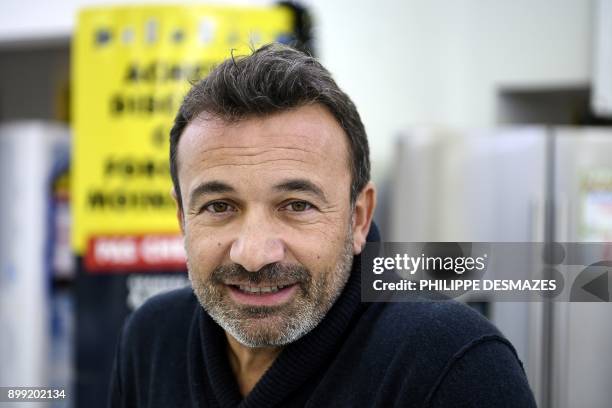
<point x="269" y="160"/>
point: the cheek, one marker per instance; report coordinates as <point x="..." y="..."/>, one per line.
<point x="205" y="251"/>
<point x="318" y="253"/>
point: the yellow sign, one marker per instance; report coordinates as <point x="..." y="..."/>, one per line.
<point x="132" y="67"/>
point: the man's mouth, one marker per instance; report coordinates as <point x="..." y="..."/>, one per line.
<point x="261" y="289"/>
<point x="262" y="295"/>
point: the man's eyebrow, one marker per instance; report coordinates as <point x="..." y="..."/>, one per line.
<point x="210" y="187"/>
<point x="301" y="185"/>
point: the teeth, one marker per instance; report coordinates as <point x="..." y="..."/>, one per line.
<point x="258" y="290"/>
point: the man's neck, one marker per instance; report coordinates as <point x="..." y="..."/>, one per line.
<point x="249" y="364"/>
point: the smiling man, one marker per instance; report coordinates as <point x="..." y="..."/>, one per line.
<point x="259" y="197"/>
<point x="269" y="160"/>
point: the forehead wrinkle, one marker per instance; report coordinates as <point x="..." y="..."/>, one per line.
<point x="212" y="149"/>
<point x="228" y="129"/>
<point x="221" y="165"/>
<point x="252" y="151"/>
<point x="252" y="158"/>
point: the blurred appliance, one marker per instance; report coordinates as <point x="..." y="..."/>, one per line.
<point x="519" y="184"/>
<point x="31" y="155"/>
<point x="601" y="97"/>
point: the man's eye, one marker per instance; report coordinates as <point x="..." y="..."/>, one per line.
<point x="298" y="206"/>
<point x="218" y="207"/>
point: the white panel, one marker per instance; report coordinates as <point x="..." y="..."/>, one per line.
<point x="582" y="367"/>
<point x="27" y="152"/>
<point x="471" y="186"/>
<point x="602" y="56"/>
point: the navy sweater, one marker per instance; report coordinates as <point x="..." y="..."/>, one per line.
<point x="413" y="354"/>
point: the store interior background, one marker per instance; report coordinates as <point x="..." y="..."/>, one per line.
<point x="412" y="67"/>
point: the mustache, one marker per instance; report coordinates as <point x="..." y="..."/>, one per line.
<point x="274" y="274"/>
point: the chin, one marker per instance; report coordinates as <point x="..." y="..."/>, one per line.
<point x="271" y="331"/>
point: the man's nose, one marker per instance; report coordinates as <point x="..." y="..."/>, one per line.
<point x="257" y="246"/>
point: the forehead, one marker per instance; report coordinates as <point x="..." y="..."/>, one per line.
<point x="304" y="139"/>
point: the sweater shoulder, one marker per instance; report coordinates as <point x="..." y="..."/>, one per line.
<point x="412" y="345"/>
<point x="154" y="340"/>
<point x="405" y="350"/>
<point x="166" y="313"/>
<point x="437" y="318"/>
<point x="440" y="328"/>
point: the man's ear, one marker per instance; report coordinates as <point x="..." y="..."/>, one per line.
<point x="362" y="216"/>
<point x="179" y="211"/>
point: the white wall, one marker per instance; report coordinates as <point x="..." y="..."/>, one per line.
<point x="408" y="62"/>
<point x="440" y="62"/>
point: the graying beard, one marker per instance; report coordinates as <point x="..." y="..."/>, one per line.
<point x="297" y="323"/>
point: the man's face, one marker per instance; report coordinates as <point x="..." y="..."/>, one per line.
<point x="267" y="220"/>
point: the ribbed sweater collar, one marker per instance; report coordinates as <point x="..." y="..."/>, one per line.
<point x="211" y="377"/>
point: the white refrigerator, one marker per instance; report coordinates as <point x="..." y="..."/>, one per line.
<point x="519" y="184"/>
<point x="32" y="153"/>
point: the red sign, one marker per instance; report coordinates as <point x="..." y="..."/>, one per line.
<point x="131" y="253"/>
